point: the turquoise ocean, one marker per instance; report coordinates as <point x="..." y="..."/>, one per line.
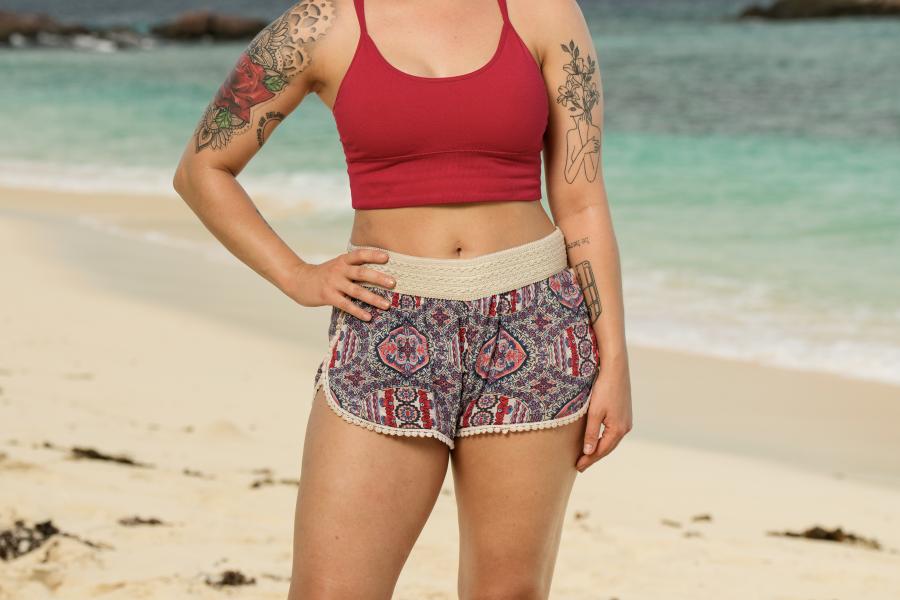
<point x="753" y="168"/>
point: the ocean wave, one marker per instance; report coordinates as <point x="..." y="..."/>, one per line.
<point x="712" y="316"/>
<point x="322" y="192"/>
<point x="752" y="321"/>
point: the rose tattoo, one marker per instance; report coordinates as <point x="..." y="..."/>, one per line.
<point x="263" y="70"/>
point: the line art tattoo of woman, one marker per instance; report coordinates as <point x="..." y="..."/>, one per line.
<point x="580" y="94"/>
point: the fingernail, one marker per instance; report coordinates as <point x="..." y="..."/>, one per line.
<point x="588" y="448"/>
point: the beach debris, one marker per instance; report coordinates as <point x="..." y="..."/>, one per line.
<point x="703" y="517"/>
<point x="670" y="523"/>
<point x="819" y="9"/>
<point x="136" y="521"/>
<point x="92" y="454"/>
<point x="195" y="473"/>
<point x="692" y="534"/>
<point x="22" y="539"/>
<point x="831" y="535"/>
<point x="271" y="481"/>
<point x="230" y="577"/>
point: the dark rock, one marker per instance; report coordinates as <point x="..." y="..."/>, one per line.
<point x="821" y="9"/>
<point x="30" y="25"/>
<point x="201" y="24"/>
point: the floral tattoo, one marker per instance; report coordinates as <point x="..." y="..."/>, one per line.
<point x="264" y="69"/>
<point x="580" y="94"/>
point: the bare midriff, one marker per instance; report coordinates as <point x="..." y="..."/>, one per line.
<point x="463" y="230"/>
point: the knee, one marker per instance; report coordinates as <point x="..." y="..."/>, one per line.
<point x="507" y="589"/>
<point x="324" y="590"/>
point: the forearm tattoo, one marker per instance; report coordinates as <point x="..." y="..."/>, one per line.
<point x="580" y="94"/>
<point x="277" y="54"/>
<point x="589" y="288"/>
<point x="579" y="242"/>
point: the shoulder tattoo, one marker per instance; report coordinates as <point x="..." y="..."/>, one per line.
<point x="277" y="54"/>
<point x="580" y="94"/>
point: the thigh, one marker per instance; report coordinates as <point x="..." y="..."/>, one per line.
<point x="512" y="490"/>
<point x="364" y="498"/>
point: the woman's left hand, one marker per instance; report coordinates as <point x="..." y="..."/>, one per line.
<point x="610" y="405"/>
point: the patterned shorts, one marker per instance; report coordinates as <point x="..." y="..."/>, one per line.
<point x="445" y="367"/>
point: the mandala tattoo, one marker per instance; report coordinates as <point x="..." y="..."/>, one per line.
<point x="580" y="94"/>
<point x="277" y="53"/>
<point x="589" y="288"/>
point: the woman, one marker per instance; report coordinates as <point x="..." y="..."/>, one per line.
<point x="466" y="323"/>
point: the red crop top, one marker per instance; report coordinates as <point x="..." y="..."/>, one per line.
<point x="411" y="140"/>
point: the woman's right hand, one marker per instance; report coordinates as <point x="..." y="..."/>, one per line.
<point x="334" y="282"/>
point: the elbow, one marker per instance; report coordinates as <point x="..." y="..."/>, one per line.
<point x="181" y="180"/>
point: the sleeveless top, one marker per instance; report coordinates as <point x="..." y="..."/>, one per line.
<point x="411" y="140"/>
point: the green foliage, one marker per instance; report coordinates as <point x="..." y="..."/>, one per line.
<point x="274" y="83"/>
<point x="223" y="118"/>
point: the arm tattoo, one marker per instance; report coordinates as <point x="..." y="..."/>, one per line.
<point x="589" y="288"/>
<point x="580" y="242"/>
<point x="580" y="94"/>
<point x="271" y="118"/>
<point x="277" y="53"/>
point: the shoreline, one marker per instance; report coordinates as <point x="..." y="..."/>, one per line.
<point x="702" y="318"/>
<point x="201" y="370"/>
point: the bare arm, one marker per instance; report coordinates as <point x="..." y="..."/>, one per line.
<point x="578" y="202"/>
<point x="270" y="79"/>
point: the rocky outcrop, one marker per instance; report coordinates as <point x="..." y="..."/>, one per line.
<point x="204" y="24"/>
<point x="820" y="9"/>
<point x="29" y="25"/>
<point x="38" y="29"/>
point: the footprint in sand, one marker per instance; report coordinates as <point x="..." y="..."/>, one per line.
<point x="224" y="429"/>
<point x="81" y="376"/>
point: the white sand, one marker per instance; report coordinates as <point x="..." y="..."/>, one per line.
<point x="191" y="364"/>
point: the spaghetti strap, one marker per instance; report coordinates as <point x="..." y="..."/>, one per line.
<point x="503" y="11"/>
<point x="360" y="7"/>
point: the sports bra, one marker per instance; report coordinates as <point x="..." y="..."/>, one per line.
<point x="411" y="140"/>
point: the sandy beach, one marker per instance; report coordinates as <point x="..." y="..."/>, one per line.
<point x="195" y="368"/>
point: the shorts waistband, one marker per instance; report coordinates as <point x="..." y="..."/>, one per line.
<point x="476" y="277"/>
